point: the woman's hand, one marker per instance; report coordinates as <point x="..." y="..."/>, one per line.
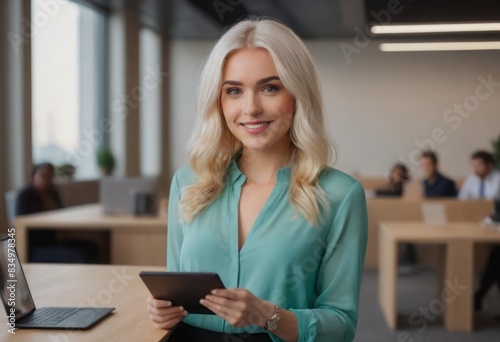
<point x="163" y="314"/>
<point x="239" y="307"/>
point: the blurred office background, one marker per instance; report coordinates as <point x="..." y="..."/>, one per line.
<point x="82" y="76"/>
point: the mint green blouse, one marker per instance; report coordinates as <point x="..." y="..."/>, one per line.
<point x="313" y="271"/>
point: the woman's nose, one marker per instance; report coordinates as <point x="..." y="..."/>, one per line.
<point x="253" y="105"/>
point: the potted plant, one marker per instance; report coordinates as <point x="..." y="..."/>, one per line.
<point x="496" y="151"/>
<point x="65" y="172"/>
<point x="105" y="161"/>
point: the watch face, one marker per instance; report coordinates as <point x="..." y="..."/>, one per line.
<point x="272" y="325"/>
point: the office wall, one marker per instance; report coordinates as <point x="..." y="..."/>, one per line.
<point x="380" y="107"/>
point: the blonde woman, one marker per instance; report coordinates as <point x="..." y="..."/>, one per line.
<point x="258" y="203"/>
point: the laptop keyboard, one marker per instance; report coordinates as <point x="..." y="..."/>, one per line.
<point x="52" y="316"/>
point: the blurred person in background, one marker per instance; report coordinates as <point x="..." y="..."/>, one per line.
<point x="484" y="183"/>
<point x="435" y="184"/>
<point x="398" y="176"/>
<point x="485" y="180"/>
<point x="41" y="195"/>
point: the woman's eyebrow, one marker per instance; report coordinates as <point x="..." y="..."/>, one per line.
<point x="259" y="82"/>
<point x="267" y="79"/>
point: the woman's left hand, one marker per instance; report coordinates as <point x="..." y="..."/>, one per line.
<point x="239" y="307"/>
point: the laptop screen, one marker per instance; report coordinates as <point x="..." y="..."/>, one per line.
<point x="14" y="290"/>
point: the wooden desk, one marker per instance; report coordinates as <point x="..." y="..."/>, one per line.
<point x="399" y="210"/>
<point x="459" y="240"/>
<point x="91" y="285"/>
<point x="134" y="240"/>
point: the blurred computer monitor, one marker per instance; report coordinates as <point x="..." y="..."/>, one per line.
<point x="128" y="195"/>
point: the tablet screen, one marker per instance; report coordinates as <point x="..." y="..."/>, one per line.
<point x="182" y="288"/>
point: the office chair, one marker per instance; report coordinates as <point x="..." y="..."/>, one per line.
<point x="10" y="204"/>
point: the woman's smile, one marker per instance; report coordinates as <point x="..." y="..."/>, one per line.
<point x="256" y="127"/>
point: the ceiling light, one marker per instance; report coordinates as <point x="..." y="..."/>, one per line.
<point x="435" y="28"/>
<point x="439" y="46"/>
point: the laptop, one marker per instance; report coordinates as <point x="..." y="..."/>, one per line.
<point x="118" y="196"/>
<point x="19" y="304"/>
<point x="434" y="214"/>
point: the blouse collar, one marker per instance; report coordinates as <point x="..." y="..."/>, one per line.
<point x="283" y="175"/>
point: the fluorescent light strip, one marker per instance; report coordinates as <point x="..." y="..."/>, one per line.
<point x="435" y="28"/>
<point x="439" y="46"/>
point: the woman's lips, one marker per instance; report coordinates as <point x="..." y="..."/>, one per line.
<point x="255" y="127"/>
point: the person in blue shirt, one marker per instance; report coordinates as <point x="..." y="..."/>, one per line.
<point x="258" y="203"/>
<point x="435" y="184"/>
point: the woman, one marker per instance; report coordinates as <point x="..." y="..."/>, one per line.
<point x="41" y="194"/>
<point x="398" y="177"/>
<point x="46" y="245"/>
<point x="258" y="204"/>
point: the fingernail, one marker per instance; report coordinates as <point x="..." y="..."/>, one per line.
<point x="214" y="291"/>
<point x="181" y="308"/>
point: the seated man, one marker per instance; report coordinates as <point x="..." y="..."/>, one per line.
<point x="435" y="184"/>
<point x="485" y="180"/>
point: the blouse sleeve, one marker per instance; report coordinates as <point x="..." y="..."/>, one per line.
<point x="335" y="312"/>
<point x="174" y="229"/>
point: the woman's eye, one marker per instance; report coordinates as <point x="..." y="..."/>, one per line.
<point x="271" y="88"/>
<point x="233" y="91"/>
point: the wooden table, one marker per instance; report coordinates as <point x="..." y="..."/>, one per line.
<point x="398" y="210"/>
<point x="91" y="285"/>
<point x="459" y="241"/>
<point x="134" y="240"/>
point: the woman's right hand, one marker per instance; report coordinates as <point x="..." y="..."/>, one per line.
<point x="163" y="314"/>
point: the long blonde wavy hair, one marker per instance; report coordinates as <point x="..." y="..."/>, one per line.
<point x="213" y="146"/>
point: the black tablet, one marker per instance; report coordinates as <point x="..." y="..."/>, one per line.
<point x="182" y="288"/>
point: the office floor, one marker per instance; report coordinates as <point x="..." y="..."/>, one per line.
<point x="415" y="291"/>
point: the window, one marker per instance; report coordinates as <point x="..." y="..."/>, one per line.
<point x="150" y="55"/>
<point x="69" y="85"/>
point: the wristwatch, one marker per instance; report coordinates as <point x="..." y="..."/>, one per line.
<point x="272" y="323"/>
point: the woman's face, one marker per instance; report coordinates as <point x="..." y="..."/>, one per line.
<point x="42" y="179"/>
<point x="257" y="108"/>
